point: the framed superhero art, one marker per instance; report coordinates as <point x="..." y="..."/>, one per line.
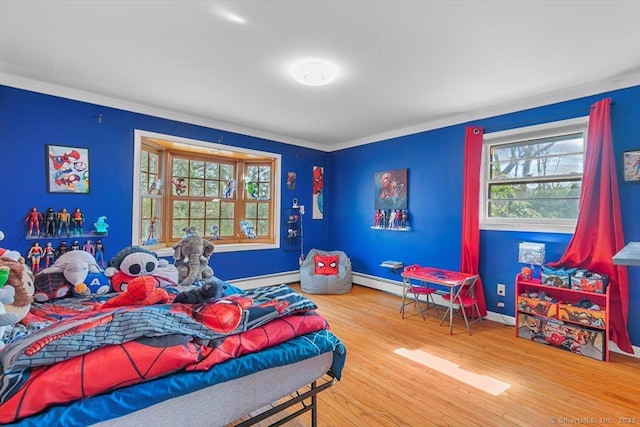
<point x="631" y="166"/>
<point x="67" y="169"/>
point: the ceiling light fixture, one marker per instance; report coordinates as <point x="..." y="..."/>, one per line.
<point x="314" y="72"/>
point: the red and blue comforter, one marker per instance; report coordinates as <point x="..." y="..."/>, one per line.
<point x="90" y="351"/>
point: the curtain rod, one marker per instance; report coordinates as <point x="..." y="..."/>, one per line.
<point x="539" y="119"/>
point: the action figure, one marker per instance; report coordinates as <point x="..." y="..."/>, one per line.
<point x="88" y="247"/>
<point x="100" y="225"/>
<point x="151" y="237"/>
<point x="404" y="221"/>
<point x="49" y="223"/>
<point x="64" y="218"/>
<point x="392" y="219"/>
<point x="98" y="252"/>
<point x="376" y="219"/>
<point x="49" y="255"/>
<point x="35" y="218"/>
<point x="78" y="222"/>
<point x="61" y="249"/>
<point x="35" y="253"/>
<point x="75" y="246"/>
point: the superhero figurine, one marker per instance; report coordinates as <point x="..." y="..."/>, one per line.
<point x="78" y="222"/>
<point x="35" y="253"/>
<point x="34" y="218"/>
<point x="75" y="246"/>
<point x="49" y="255"/>
<point x="62" y="249"/>
<point x="98" y="250"/>
<point x="88" y="247"/>
<point x="50" y="223"/>
<point x="64" y="218"/>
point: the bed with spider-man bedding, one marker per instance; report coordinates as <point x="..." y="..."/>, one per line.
<point x="205" y="364"/>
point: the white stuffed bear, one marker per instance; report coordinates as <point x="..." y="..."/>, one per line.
<point x="7" y="294"/>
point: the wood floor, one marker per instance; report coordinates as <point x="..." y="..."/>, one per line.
<point x="546" y="386"/>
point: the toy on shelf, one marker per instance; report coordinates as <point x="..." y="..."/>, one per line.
<point x="75" y="246"/>
<point x="50" y="223"/>
<point x="49" y="254"/>
<point x="98" y="252"/>
<point x="34" y="218"/>
<point x="61" y="249"/>
<point x="88" y="247"/>
<point x="78" y="221"/>
<point x="64" y="219"/>
<point x="34" y="255"/>
<point x="101" y="226"/>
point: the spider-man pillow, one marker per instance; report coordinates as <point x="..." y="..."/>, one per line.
<point x="326" y="265"/>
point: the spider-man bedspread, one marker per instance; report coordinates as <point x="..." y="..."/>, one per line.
<point x="88" y="352"/>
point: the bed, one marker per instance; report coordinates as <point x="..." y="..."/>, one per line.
<point x="209" y="364"/>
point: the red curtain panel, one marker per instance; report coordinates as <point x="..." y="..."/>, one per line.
<point x="599" y="233"/>
<point x="470" y="256"/>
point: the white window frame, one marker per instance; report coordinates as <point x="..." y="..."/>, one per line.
<point x="519" y="134"/>
<point x="139" y="135"/>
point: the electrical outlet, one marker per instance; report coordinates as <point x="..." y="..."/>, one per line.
<point x="500" y="304"/>
<point x="301" y="209"/>
<point x="501" y="290"/>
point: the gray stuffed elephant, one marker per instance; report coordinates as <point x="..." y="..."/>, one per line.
<point x="191" y="256"/>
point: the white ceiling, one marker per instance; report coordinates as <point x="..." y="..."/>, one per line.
<point x="406" y="66"/>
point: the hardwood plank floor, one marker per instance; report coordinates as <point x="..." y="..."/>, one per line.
<point x="546" y="386"/>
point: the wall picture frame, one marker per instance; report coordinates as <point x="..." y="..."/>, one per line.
<point x="67" y="169"/>
<point x="631" y="165"/>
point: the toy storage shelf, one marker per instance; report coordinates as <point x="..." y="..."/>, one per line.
<point x="70" y="237"/>
<point x="561" y="323"/>
<point x="291" y="229"/>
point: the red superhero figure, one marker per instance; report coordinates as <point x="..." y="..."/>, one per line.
<point x="68" y="158"/>
<point x="34" y="218"/>
<point x="35" y="253"/>
<point x="78" y="221"/>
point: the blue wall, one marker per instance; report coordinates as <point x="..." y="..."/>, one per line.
<point x="434" y="159"/>
<point x="29" y="121"/>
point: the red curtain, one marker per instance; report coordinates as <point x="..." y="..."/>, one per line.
<point x="599" y="234"/>
<point x="470" y="210"/>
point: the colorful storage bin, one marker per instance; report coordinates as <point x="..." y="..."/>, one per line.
<point x="537" y="306"/>
<point x="589" y="282"/>
<point x="584" y="316"/>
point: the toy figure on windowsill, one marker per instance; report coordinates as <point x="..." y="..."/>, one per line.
<point x="35" y="253"/>
<point x="151" y="234"/>
<point x="49" y="255"/>
<point x="34" y="218"/>
<point x="64" y="218"/>
<point x="98" y="252"/>
<point x="78" y="221"/>
<point x="49" y="223"/>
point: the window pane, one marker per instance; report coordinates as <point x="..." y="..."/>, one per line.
<point x="263" y="227"/>
<point x="180" y="209"/>
<point x="144" y="183"/>
<point x="154" y="163"/>
<point x="541" y="157"/>
<point x="251" y="210"/>
<point x="532" y="208"/>
<point x="212" y="171"/>
<point x="226" y="228"/>
<point x="263" y="210"/>
<point x="265" y="173"/>
<point x="197" y="210"/>
<point x="198" y="224"/>
<point x="263" y="192"/>
<point x="196" y="188"/>
<point x="178" y="227"/>
<point x="196" y="169"/>
<point x="227" y="172"/>
<point x="253" y="173"/>
<point x="211" y="189"/>
<point x="227" y="209"/>
<point x="180" y="168"/>
<point x="213" y="210"/>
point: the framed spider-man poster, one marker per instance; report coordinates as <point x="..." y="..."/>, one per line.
<point x="67" y="169"/>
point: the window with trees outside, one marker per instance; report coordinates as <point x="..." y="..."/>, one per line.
<point x="532" y="177"/>
<point x="223" y="193"/>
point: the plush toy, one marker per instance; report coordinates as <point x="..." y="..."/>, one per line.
<point x="211" y="288"/>
<point x="94" y="284"/>
<point x="7" y="294"/>
<point x="132" y="262"/>
<point x="191" y="256"/>
<point x="75" y="266"/>
<point x="6" y="253"/>
<point x="141" y="290"/>
<point x="20" y="278"/>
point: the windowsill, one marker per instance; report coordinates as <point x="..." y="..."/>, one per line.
<point x="535" y="228"/>
<point x="168" y="251"/>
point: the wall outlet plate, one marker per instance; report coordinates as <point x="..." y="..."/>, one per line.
<point x="502" y="291"/>
<point x="500" y="304"/>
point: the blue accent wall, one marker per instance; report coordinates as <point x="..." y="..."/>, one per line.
<point x="434" y="159"/>
<point x="29" y="121"/>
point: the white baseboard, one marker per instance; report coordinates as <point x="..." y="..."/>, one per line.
<point x="395" y="287"/>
